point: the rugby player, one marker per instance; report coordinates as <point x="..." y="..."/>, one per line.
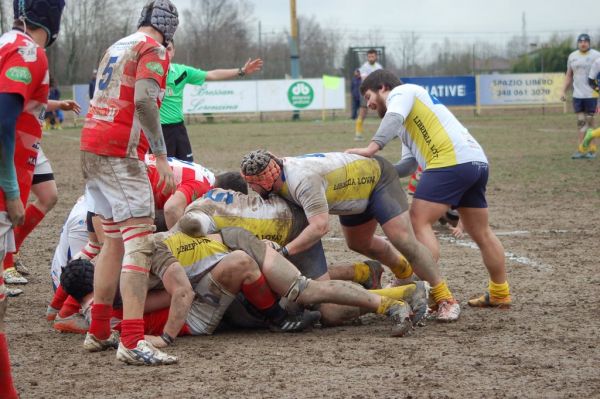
<point x="23" y="96"/>
<point x="122" y="123"/>
<point x="371" y="65"/>
<point x="585" y="100"/>
<point x="46" y="195"/>
<point x="455" y="170"/>
<point x="364" y="192"/>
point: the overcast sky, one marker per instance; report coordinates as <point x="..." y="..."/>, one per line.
<point x="464" y="21"/>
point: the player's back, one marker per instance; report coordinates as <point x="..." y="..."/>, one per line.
<point x="111" y="127"/>
<point x="270" y="219"/>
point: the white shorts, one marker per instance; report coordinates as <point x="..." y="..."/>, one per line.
<point x="42" y="165"/>
<point x="7" y="237"/>
<point x="117" y="188"/>
<point x="208" y="307"/>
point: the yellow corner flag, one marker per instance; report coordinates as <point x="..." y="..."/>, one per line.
<point x="331" y="82"/>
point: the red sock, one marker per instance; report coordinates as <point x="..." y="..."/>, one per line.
<point x="59" y="298"/>
<point x="132" y="331"/>
<point x="7" y="390"/>
<point x="259" y="294"/>
<point x="8" y="261"/>
<point x="100" y="325"/>
<point x="33" y="217"/>
<point x="71" y="306"/>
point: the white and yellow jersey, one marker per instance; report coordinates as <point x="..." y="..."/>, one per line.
<point x="270" y="219"/>
<point x="333" y="182"/>
<point x="431" y="133"/>
<point x="196" y="255"/>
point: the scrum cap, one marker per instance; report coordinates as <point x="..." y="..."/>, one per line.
<point x="262" y="168"/>
<point x="43" y="14"/>
<point x="161" y="15"/>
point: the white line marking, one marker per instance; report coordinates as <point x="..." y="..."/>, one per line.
<point x="470" y="244"/>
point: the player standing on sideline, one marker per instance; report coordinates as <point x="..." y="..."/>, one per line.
<point x="123" y="121"/>
<point x="364" y="192"/>
<point x="23" y="96"/>
<point x="585" y="99"/>
<point x="370" y="66"/>
<point x="455" y="170"/>
<point x="171" y="111"/>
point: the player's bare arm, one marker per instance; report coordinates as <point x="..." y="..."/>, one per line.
<point x="178" y="285"/>
<point x="251" y="66"/>
<point x="318" y="226"/>
<point x="63" y="105"/>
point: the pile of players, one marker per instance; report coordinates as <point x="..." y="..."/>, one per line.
<point x="253" y="260"/>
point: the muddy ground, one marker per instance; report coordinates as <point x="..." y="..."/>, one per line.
<point x="543" y="205"/>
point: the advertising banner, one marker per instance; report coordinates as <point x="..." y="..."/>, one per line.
<point x="450" y="90"/>
<point x="265" y="95"/>
<point x="526" y="88"/>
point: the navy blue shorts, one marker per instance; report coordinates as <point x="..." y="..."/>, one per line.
<point x="458" y="186"/>
<point x="311" y="262"/>
<point x="585" y="105"/>
<point x="387" y="200"/>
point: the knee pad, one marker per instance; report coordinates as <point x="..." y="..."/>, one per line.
<point x="111" y="229"/>
<point x="296" y="288"/>
<point x="77" y="278"/>
<point x="238" y="238"/>
<point x="139" y="246"/>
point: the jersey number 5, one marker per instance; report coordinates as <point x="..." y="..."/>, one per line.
<point x="107" y="73"/>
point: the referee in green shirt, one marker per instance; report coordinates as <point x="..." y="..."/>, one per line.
<point x="171" y="110"/>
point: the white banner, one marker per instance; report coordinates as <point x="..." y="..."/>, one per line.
<point x="265" y="95"/>
<point x="525" y="88"/>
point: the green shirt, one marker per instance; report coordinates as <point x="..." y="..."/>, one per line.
<point x="171" y="110"/>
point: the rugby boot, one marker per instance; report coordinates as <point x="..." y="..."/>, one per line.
<point x="375" y="272"/>
<point x="448" y="310"/>
<point x="75" y="323"/>
<point x="297" y="322"/>
<point x="51" y="313"/>
<point x="399" y="315"/>
<point x="20" y="266"/>
<point x="144" y="354"/>
<point x="488" y="301"/>
<point x="93" y="344"/>
<point x="12" y="276"/>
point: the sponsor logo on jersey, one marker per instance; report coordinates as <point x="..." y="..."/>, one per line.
<point x="156" y="68"/>
<point x="19" y="74"/>
<point x="28" y="52"/>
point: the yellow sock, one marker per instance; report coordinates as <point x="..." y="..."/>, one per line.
<point x="359" y="127"/>
<point x="596" y="133"/>
<point x="441" y="292"/>
<point x="501" y="290"/>
<point x="361" y="272"/>
<point x="403" y="269"/>
<point x="398" y="293"/>
<point x="386" y="303"/>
